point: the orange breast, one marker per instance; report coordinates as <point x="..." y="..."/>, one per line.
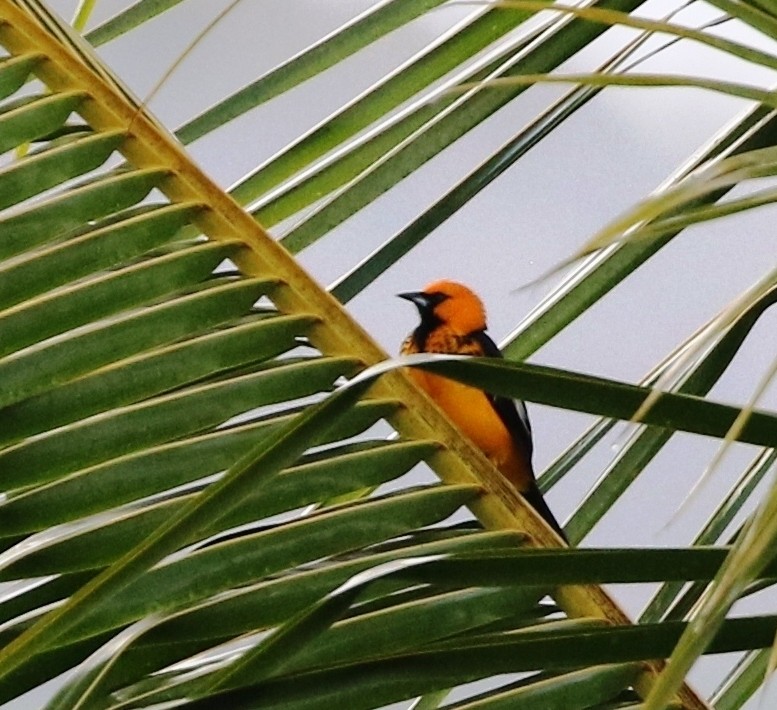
<point x="471" y="411"/>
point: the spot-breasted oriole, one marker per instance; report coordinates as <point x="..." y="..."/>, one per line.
<point x="453" y="320"/>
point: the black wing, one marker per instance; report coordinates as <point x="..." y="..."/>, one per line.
<point x="511" y="411"/>
<point x="515" y="417"/>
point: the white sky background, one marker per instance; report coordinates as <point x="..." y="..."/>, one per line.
<point x="610" y="154"/>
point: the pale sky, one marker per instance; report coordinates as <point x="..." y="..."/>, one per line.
<point x="600" y="162"/>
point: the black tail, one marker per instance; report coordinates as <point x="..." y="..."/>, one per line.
<point x="535" y="499"/>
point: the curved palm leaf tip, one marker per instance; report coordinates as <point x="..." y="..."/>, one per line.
<point x="199" y="440"/>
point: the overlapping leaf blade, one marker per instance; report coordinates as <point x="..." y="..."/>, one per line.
<point x="130" y="391"/>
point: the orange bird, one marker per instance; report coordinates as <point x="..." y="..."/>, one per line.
<point x="453" y="320"/>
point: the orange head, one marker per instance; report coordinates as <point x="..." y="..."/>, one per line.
<point x="449" y="303"/>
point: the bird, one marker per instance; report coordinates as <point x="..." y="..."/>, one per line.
<point x="453" y="321"/>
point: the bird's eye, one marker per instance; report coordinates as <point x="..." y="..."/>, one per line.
<point x="436" y="298"/>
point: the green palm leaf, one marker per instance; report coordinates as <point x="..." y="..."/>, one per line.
<point x="197" y="509"/>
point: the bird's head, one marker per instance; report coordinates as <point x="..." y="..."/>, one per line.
<point x="449" y="303"/>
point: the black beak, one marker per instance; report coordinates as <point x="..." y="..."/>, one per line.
<point x="419" y="298"/>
